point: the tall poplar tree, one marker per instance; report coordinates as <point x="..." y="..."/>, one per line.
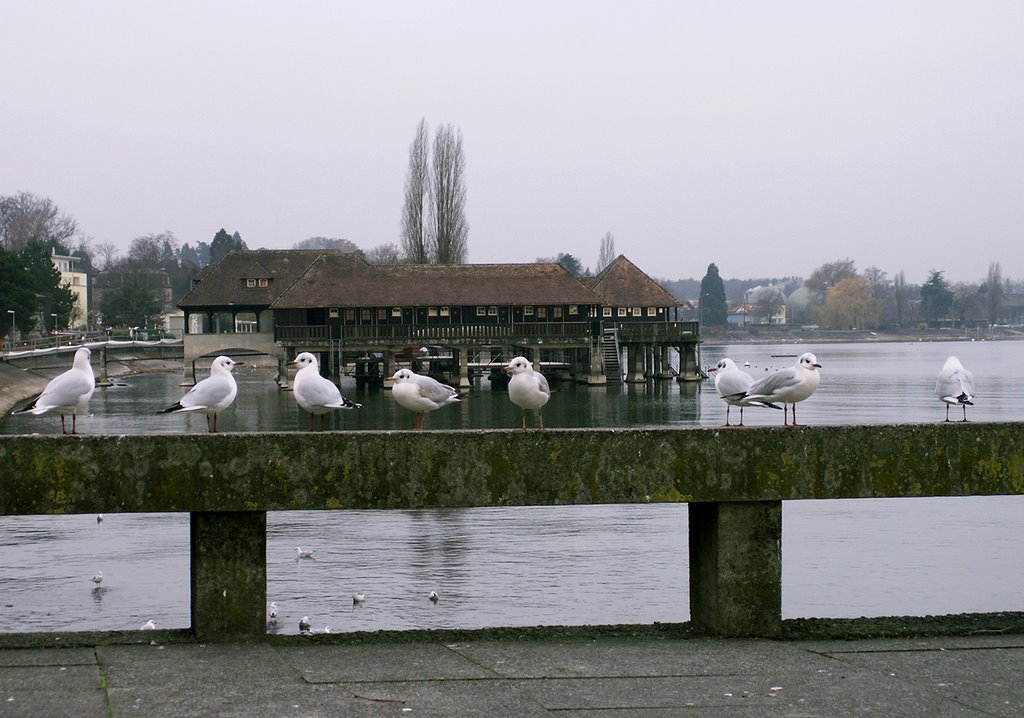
<point x="449" y="231"/>
<point x="417" y="191"/>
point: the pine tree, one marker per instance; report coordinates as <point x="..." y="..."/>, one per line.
<point x="714" y="311"/>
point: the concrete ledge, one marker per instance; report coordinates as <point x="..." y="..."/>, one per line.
<point x="363" y="470"/>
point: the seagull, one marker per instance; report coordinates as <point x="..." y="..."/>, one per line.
<point x="99" y="518"/>
<point x="148" y="625"/>
<point x="528" y="389"/>
<point x="304" y="624"/>
<point x="98" y="578"/>
<point x="212" y="395"/>
<point x="67" y="393"/>
<point x="358" y="597"/>
<point x="314" y="393"/>
<point x="304" y="553"/>
<point x="434" y="598"/>
<point x="420" y="393"/>
<point x="787" y="386"/>
<point x="327" y="629"/>
<point x="955" y="385"/>
<point x="732" y="384"/>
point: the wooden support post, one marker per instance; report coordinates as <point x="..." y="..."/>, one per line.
<point x="229" y="575"/>
<point x="736" y="568"/>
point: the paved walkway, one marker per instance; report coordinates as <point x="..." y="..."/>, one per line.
<point x="608" y="677"/>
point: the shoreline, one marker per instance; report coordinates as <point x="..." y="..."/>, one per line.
<point x="827" y="336"/>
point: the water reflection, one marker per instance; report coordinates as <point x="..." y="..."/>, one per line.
<point x="587" y="564"/>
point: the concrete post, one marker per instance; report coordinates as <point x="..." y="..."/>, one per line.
<point x="463" y="355"/>
<point x="736" y="568"/>
<point x="229" y="575"/>
<point x="635" y="363"/>
<point x="103" y="379"/>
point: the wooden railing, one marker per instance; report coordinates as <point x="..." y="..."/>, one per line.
<point x="734" y="482"/>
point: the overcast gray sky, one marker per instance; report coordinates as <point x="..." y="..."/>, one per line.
<point x="768" y="137"/>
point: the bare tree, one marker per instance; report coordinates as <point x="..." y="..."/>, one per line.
<point x="387" y="253"/>
<point x="607" y="254"/>
<point x="107" y="253"/>
<point x="448" y="229"/>
<point x="26" y="218"/>
<point x="417" y="189"/>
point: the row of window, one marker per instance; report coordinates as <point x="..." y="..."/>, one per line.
<point x="257" y="283"/>
<point x="492" y="311"/>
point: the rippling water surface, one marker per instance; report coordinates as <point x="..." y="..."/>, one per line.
<point x="542" y="565"/>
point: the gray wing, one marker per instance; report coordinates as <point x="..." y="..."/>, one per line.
<point x="542" y="383"/>
<point x="433" y="389"/>
<point x="774" y="383"/>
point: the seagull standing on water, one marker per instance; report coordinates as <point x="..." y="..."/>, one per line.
<point x="303" y="552"/>
<point x="314" y="393"/>
<point x="732" y="384"/>
<point x="955" y="386"/>
<point x="420" y="393"/>
<point x="528" y="389"/>
<point x="212" y="395"/>
<point x="67" y="393"/>
<point x="787" y="386"/>
<point x="98" y="578"/>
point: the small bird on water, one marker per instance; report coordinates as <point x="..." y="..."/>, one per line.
<point x="148" y="625"/>
<point x="358" y="597"/>
<point x="304" y="624"/>
<point x="304" y="553"/>
<point x="434" y="598"/>
<point x="98" y="578"/>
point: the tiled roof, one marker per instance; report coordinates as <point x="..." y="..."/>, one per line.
<point x="331" y="282"/>
<point x="623" y="284"/>
<point x="223" y="285"/>
<point x="302" y="279"/>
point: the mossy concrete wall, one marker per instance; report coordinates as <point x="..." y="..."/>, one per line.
<point x="276" y="471"/>
<point x="734" y="481"/>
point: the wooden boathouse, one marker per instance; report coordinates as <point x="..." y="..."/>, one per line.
<point x="458" y="319"/>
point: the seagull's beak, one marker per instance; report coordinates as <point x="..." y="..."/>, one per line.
<point x="508" y="369"/>
<point x="817" y="366"/>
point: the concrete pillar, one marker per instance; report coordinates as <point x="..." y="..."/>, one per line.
<point x="388" y="370"/>
<point x="736" y="568"/>
<point x="635" y="363"/>
<point x="188" y="374"/>
<point x="688" y="363"/>
<point x="664" y="362"/>
<point x="283" y="380"/>
<point x="103" y="379"/>
<point x="229" y="575"/>
<point x="462" y="354"/>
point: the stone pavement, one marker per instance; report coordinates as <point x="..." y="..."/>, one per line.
<point x="572" y="677"/>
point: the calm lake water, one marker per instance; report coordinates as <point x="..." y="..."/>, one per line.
<point x="543" y="565"/>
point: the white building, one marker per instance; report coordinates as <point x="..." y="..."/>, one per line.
<point x="78" y="282"/>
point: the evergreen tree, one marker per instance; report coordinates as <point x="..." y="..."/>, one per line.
<point x="714" y="311"/>
<point x="936" y="297"/>
<point x="224" y="243"/>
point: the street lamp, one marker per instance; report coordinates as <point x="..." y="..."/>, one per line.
<point x="56" y="339"/>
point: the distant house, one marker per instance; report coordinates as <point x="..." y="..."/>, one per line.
<point x="74" y="277"/>
<point x="284" y="301"/>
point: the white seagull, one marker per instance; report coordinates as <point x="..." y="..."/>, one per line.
<point x="787" y="386"/>
<point x="528" y="389"/>
<point x="732" y="384"/>
<point x="303" y="553"/>
<point x="358" y="597"/>
<point x="314" y="393"/>
<point x="420" y="393"/>
<point x="67" y="393"/>
<point x="212" y="395"/>
<point x="148" y="625"/>
<point x="434" y="598"/>
<point x="955" y="386"/>
<point x="272" y="614"/>
<point x="98" y="578"/>
<point x="304" y="624"/>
